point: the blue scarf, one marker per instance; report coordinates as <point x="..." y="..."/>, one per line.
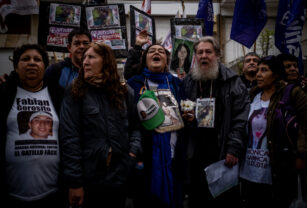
<point x="162" y="177"/>
<point x="160" y="78"/>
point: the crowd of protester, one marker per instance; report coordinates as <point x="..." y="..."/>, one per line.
<point x="73" y="135"/>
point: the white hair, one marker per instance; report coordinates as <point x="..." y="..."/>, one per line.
<point x="203" y="75"/>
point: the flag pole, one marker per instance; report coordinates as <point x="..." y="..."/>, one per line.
<point x="243" y="49"/>
<point x="55" y="57"/>
<point x="183" y="9"/>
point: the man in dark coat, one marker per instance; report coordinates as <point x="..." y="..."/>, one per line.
<point x="221" y="138"/>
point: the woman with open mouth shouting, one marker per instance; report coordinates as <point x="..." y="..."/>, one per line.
<point x="163" y="149"/>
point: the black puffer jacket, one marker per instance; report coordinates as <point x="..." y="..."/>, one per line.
<point x="235" y="108"/>
<point x="88" y="128"/>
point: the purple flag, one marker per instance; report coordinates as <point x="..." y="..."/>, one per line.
<point x="288" y="29"/>
<point x="205" y="11"/>
<point x="248" y="20"/>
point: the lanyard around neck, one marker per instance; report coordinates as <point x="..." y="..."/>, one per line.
<point x="201" y="89"/>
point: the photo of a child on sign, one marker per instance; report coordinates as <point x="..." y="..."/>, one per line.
<point x="205" y="110"/>
<point x="102" y="16"/>
<point x="188" y="31"/>
<point x="170" y="107"/>
<point x="62" y="14"/>
<point x="143" y="23"/>
<point x="182" y="56"/>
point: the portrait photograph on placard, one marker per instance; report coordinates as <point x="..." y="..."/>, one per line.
<point x="140" y="20"/>
<point x="188" y="31"/>
<point x="170" y="107"/>
<point x="182" y="55"/>
<point x="107" y="24"/>
<point x="56" y="21"/>
<point x="102" y="16"/>
<point x="64" y="14"/>
<point x="205" y="112"/>
<point x="187" y="27"/>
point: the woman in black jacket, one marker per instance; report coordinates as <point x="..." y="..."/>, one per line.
<point x="99" y="132"/>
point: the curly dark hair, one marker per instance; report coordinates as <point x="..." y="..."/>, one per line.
<point x="20" y="50"/>
<point x="110" y="78"/>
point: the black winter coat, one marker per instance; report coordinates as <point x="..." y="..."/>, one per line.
<point x="89" y="127"/>
<point x="233" y="115"/>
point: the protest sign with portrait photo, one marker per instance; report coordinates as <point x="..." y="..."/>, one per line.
<point x="65" y="14"/>
<point x="170" y="107"/>
<point x="140" y="20"/>
<point x="107" y="24"/>
<point x="56" y="21"/>
<point x="102" y="16"/>
<point x="182" y="55"/>
<point x="187" y="27"/>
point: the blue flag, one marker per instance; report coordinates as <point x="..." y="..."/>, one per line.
<point x="288" y="29"/>
<point x="248" y="20"/>
<point x="205" y="11"/>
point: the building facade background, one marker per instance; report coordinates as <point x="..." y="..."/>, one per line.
<point x="162" y="11"/>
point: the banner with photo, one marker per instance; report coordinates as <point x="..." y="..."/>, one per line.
<point x="107" y="23"/>
<point x="102" y="16"/>
<point x="63" y="14"/>
<point x="187" y="27"/>
<point x="170" y="107"/>
<point x="57" y="36"/>
<point x="182" y="55"/>
<point x="111" y="37"/>
<point x="140" y="20"/>
<point x="56" y="21"/>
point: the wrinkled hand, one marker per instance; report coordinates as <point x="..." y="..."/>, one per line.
<point x="231" y="160"/>
<point x="142" y="38"/>
<point x="189" y="115"/>
<point x="76" y="196"/>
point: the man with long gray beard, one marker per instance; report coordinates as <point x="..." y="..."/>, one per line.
<point x="216" y="129"/>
